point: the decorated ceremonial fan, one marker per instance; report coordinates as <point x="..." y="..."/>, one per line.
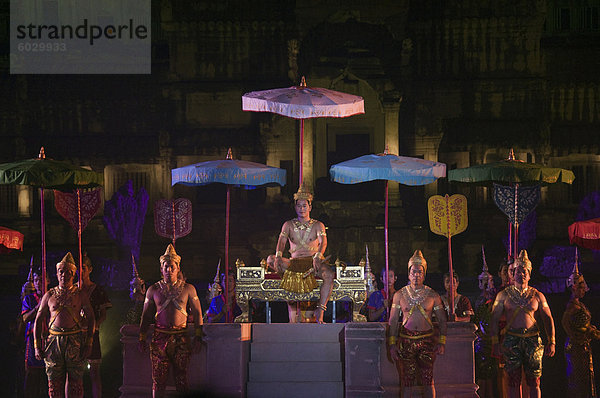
<point x="78" y="208"/>
<point x="448" y="217"/>
<point x="173" y="218"/>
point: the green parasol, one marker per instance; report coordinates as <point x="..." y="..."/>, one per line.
<point x="512" y="172"/>
<point x="52" y="174"/>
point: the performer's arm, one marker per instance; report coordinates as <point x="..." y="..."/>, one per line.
<point x="283" y="238"/>
<point x="395" y="313"/>
<point x="147" y="315"/>
<point x="40" y="319"/>
<point x="440" y="314"/>
<point x="194" y="303"/>
<point x="548" y="324"/>
<point x="497" y="310"/>
<point x="29" y="314"/>
<point x="565" y="321"/>
<point x="322" y="239"/>
<point x="91" y="322"/>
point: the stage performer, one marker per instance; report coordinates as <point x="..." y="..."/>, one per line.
<point x="67" y="346"/>
<point x="417" y="345"/>
<point x="308" y="241"/>
<point x="576" y="321"/>
<point x="166" y="302"/>
<point x="35" y="376"/>
<point x="486" y="366"/>
<point x="522" y="347"/>
<point x="462" y="305"/>
<point x="378" y="303"/>
<point x="217" y="312"/>
<point x="100" y="303"/>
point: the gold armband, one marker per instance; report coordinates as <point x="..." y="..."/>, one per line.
<point x="442" y="339"/>
<point x="142" y="337"/>
<point x="194" y="298"/>
<point x="321" y="233"/>
<point x="438" y="307"/>
<point x="283" y="234"/>
<point x="278" y="253"/>
<point x="397" y="306"/>
<point x="35" y="344"/>
<point x="392" y="340"/>
<point x="318" y="255"/>
<point x="494" y="339"/>
<point x="552" y="341"/>
<point x="545" y="304"/>
<point x="147" y="300"/>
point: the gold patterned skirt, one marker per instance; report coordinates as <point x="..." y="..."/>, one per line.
<point x="294" y="279"/>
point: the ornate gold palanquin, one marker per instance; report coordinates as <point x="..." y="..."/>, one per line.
<point x="255" y="283"/>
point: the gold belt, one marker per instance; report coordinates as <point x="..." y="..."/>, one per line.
<point x="530" y="334"/>
<point x="421" y="336"/>
<point x="172" y="331"/>
<point x="64" y="333"/>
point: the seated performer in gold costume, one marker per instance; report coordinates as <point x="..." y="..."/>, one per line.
<point x="576" y="321"/>
<point x="417" y="346"/>
<point x="67" y="347"/>
<point x="522" y="348"/>
<point x="167" y="302"/>
<point x="308" y="241"/>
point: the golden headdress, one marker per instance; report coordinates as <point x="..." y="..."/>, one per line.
<point x="68" y="261"/>
<point x="575" y="278"/>
<point x="523" y="261"/>
<point x="303" y="193"/>
<point x="170" y="254"/>
<point x="417" y="259"/>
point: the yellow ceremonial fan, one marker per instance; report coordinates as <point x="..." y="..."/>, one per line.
<point x="448" y="217"/>
<point x="447" y="214"/>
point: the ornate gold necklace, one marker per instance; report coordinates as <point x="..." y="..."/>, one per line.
<point x="305" y="227"/>
<point x="171" y="291"/>
<point x="62" y="295"/>
<point x="416" y="296"/>
<point x="520" y="297"/>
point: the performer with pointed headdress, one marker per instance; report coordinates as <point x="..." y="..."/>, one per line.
<point x="35" y="375"/>
<point x="522" y="347"/>
<point x="576" y="321"/>
<point x="166" y="303"/>
<point x="417" y="345"/>
<point x="67" y="347"/>
<point x="486" y="366"/>
<point x="308" y="241"/>
<point x="100" y="303"/>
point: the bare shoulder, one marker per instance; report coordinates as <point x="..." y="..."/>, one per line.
<point x="501" y="295"/>
<point x="540" y="296"/>
<point x="191" y="289"/>
<point x="320" y="225"/>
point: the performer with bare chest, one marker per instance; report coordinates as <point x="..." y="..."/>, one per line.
<point x="167" y="302"/>
<point x="66" y="347"/>
<point x="308" y="241"/>
<point x="522" y="346"/>
<point x="417" y="345"/>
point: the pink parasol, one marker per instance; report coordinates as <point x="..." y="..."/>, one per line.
<point x="302" y="102"/>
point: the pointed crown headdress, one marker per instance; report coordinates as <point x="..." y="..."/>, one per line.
<point x="170" y="254"/>
<point x="67" y="261"/>
<point x="575" y="277"/>
<point x="303" y="193"/>
<point x="523" y="261"/>
<point x="417" y="259"/>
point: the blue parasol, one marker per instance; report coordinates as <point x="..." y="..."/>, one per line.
<point x="231" y="172"/>
<point x="388" y="167"/>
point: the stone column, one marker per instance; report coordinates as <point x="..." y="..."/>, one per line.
<point x="391" y="107"/>
<point x="363" y="342"/>
<point x="24" y="200"/>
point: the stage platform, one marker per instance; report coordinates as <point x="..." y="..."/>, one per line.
<point x="299" y="360"/>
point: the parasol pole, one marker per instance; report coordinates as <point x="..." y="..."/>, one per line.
<point x="387" y="269"/>
<point x="516" y="234"/>
<point x="227" y="206"/>
<point x="302" y="85"/>
<point x="43" y="241"/>
<point x="451" y="270"/>
<point x="79" y="235"/>
<point x="509" y="241"/>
